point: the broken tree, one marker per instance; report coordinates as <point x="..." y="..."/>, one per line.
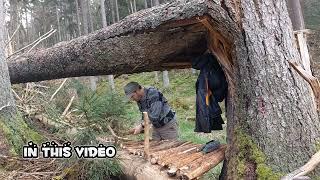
<point x="13" y="130"/>
<point x="273" y="125"/>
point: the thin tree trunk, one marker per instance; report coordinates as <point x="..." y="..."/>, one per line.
<point x="14" y="22"/>
<point x="156" y="76"/>
<point x="58" y="24"/>
<point x="166" y="81"/>
<point x="135" y="5"/>
<point x="295" y="13"/>
<point x="156" y="2"/>
<point x="27" y="31"/>
<point x="85" y="17"/>
<point x="78" y="18"/>
<point x="131" y="6"/>
<point x="117" y="10"/>
<point x="112" y="11"/>
<point x="84" y="10"/>
<point x="103" y="13"/>
<point x="128" y="6"/>
<point x="145" y="4"/>
<point x="156" y="73"/>
<point x="90" y="16"/>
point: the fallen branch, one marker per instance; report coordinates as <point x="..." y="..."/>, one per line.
<point x="8" y="105"/>
<point x="16" y="95"/>
<point x="313" y="81"/>
<point x="308" y="167"/>
<point x="31" y="43"/>
<point x="68" y="106"/>
<point x="41" y="40"/>
<point x="114" y="134"/>
<point x="14" y="33"/>
<point x="55" y="93"/>
<point x="146" y="135"/>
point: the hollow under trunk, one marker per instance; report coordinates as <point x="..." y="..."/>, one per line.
<point x="273" y="125"/>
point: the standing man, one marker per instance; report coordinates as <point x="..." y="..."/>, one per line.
<point x="161" y="115"/>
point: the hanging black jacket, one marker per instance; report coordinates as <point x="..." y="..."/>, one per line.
<point x="211" y="88"/>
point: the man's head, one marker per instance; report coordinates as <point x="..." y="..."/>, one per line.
<point x="134" y="91"/>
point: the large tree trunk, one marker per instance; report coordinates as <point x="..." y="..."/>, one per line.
<point x="273" y="124"/>
<point x="13" y="130"/>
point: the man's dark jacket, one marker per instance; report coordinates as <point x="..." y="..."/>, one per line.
<point x="211" y="88"/>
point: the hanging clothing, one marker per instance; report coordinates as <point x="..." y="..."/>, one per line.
<point x="211" y="88"/>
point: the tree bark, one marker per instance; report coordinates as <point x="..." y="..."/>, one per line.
<point x="14" y="132"/>
<point x="274" y="100"/>
<point x="273" y="124"/>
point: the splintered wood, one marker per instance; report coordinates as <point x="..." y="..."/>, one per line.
<point x="182" y="160"/>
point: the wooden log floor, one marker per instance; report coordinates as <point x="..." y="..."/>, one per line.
<point x="178" y="159"/>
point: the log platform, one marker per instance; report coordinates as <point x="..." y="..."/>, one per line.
<point x="168" y="160"/>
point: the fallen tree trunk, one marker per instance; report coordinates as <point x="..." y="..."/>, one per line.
<point x="144" y="41"/>
<point x="135" y="167"/>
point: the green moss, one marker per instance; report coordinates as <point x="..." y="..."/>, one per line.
<point x="18" y="133"/>
<point x="250" y="152"/>
<point x="318" y="146"/>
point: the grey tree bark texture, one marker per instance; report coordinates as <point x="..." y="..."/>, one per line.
<point x="272" y="122"/>
<point x="6" y="98"/>
<point x="14" y="132"/>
